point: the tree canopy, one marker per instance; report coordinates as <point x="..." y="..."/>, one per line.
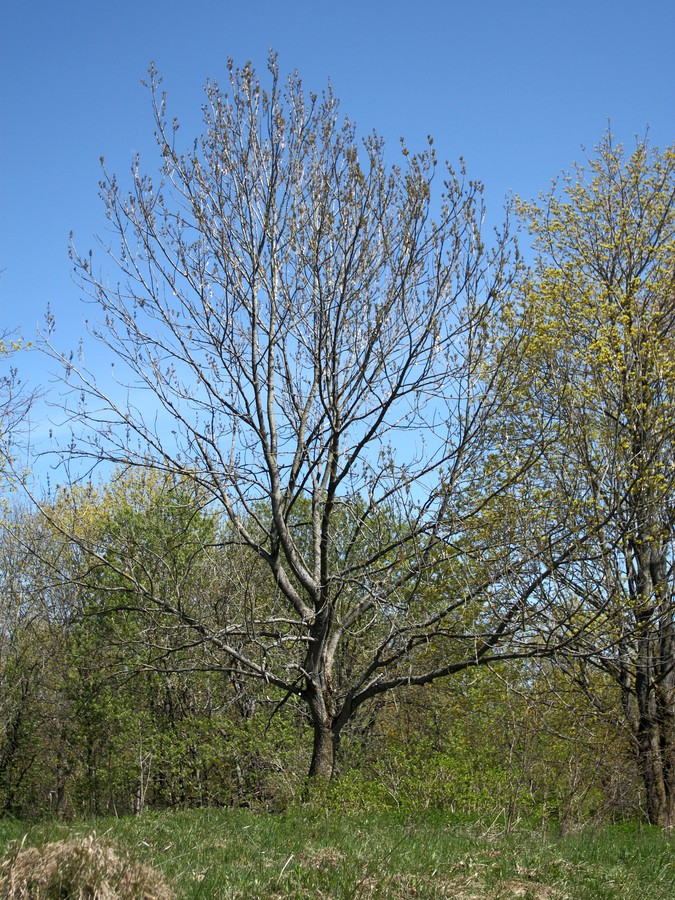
<point x="599" y="306"/>
<point x="360" y="445"/>
<point x="316" y="324"/>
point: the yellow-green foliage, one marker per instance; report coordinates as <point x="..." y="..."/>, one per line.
<point x="598" y="310"/>
<point x="597" y="354"/>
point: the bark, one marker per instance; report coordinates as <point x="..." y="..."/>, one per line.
<point x="655" y="690"/>
<point x="326" y="727"/>
<point x="656" y="766"/>
<point x="324" y="751"/>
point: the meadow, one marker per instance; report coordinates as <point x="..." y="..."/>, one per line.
<point x="314" y="853"/>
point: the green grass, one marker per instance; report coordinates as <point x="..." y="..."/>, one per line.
<point x="306" y="853"/>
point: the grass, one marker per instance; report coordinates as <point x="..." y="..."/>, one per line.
<point x="306" y="853"/>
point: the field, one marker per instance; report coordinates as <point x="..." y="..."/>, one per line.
<point x="308" y="853"/>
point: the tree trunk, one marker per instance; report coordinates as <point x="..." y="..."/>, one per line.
<point x="655" y="687"/>
<point x="656" y="749"/>
<point x="667" y="743"/>
<point x="326" y="738"/>
<point x="322" y="767"/>
<point x="656" y="769"/>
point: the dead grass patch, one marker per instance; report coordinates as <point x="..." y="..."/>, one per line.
<point x="81" y="868"/>
<point x="326" y="856"/>
<point x="470" y="888"/>
<point x="526" y="890"/>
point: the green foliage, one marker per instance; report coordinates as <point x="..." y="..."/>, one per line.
<point x="123" y="710"/>
<point x="523" y="744"/>
<point x="112" y="704"/>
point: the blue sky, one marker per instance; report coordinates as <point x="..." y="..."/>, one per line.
<point x="516" y="88"/>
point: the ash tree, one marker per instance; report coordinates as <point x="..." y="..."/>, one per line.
<point x="301" y="329"/>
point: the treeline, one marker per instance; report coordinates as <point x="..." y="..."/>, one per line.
<point x="110" y="707"/>
<point x="391" y="510"/>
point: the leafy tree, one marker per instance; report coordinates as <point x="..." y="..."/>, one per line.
<point x="32" y="642"/>
<point x="302" y="330"/>
<point x="137" y="686"/>
<point x="600" y="365"/>
<point x="107" y="704"/>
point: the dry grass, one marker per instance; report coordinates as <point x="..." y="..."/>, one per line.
<point x="402" y="887"/>
<point x="82" y="868"/>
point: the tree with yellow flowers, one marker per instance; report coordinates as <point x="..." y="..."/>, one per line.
<point x="599" y="309"/>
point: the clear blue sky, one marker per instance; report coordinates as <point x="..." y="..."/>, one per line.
<point x="516" y="88"/>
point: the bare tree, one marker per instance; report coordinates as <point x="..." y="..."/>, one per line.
<point x="303" y="330"/>
<point x="15" y="403"/>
